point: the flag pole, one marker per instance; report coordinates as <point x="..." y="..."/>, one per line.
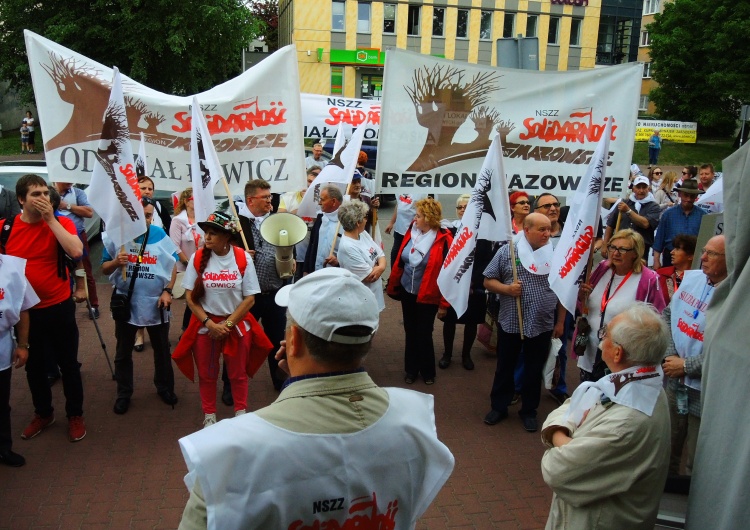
<point x="338" y="224"/>
<point x="234" y="212"/>
<point x="515" y="279"/>
<point x="125" y="268"/>
<point x="617" y="225"/>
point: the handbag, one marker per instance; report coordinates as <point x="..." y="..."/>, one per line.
<point x="119" y="304"/>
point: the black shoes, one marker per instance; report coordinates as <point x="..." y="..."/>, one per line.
<point x="121" y="405"/>
<point x="9" y="458"/>
<point x="226" y="396"/>
<point x="467" y="362"/>
<point x="445" y="362"/>
<point x="94" y="313"/>
<point x="560" y="397"/>
<point x="494" y="417"/>
<point x="529" y="423"/>
<point x="409" y="379"/>
<point x="168" y="397"/>
<point x="139" y="347"/>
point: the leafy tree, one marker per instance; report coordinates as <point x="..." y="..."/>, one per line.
<point x="178" y="47"/>
<point x="268" y="12"/>
<point x="703" y="74"/>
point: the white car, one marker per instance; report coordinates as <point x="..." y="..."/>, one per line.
<point x="11" y="171"/>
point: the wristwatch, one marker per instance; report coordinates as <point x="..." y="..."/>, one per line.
<point x="25" y="346"/>
<point x="229" y="323"/>
<point x="205" y="320"/>
<point x="167" y="290"/>
<point x="68" y="206"/>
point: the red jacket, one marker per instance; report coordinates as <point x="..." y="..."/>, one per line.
<point x="428" y="293"/>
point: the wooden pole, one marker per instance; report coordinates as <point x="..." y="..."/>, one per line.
<point x="124" y="269"/>
<point x="515" y="279"/>
<point x="234" y="213"/>
<point x="617" y="224"/>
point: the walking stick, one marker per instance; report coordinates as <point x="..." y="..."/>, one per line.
<point x="96" y="325"/>
<point x="515" y="279"/>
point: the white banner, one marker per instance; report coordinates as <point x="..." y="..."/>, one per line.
<point x="204" y="164"/>
<point x="713" y="200"/>
<point x="577" y="239"/>
<point x="487" y="216"/>
<point x="439" y="116"/>
<point x="321" y="115"/>
<point x="254" y="119"/>
<point x="113" y="190"/>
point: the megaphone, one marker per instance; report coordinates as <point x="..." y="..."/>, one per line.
<point x="283" y="231"/>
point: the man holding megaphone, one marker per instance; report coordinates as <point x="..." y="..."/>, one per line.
<point x="272" y="248"/>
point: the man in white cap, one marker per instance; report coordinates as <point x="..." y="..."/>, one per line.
<point x="334" y="449"/>
<point x="639" y="212"/>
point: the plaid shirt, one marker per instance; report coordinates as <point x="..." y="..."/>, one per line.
<point x="265" y="262"/>
<point x="673" y="222"/>
<point x="538" y="300"/>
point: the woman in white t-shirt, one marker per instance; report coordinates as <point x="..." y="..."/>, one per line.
<point x="358" y="252"/>
<point x="220" y="296"/>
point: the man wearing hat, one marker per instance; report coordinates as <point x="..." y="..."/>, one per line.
<point x="683" y="218"/>
<point x="639" y="212"/>
<point x="150" y="300"/>
<point x="334" y="450"/>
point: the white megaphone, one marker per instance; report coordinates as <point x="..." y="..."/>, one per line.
<point x="283" y="231"/>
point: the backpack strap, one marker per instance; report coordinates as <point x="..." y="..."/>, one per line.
<point x="5" y="232"/>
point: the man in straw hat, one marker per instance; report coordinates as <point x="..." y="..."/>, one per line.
<point x="683" y="218"/>
<point x="334" y="449"/>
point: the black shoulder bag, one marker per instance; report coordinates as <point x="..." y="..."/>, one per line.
<point x="119" y="304"/>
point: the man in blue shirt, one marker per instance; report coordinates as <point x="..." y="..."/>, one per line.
<point x="684" y="218"/>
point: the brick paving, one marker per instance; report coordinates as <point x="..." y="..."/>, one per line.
<point x="128" y="471"/>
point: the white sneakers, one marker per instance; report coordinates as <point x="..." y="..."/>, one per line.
<point x="208" y="420"/>
<point x="239" y="413"/>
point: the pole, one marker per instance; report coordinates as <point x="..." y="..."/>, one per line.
<point x="234" y="213"/>
<point x="96" y="325"/>
<point x="124" y="270"/>
<point x="338" y="224"/>
<point x="617" y="224"/>
<point x="515" y="279"/>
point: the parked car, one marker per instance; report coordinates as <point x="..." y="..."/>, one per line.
<point x="11" y="171"/>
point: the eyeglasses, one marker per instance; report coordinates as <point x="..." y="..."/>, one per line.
<point x="261" y="197"/>
<point x="686" y="172"/>
<point x="711" y="253"/>
<point x="619" y="250"/>
<point x="522" y="203"/>
<point x="658" y="172"/>
<point x="548" y="206"/>
<point x="461" y="207"/>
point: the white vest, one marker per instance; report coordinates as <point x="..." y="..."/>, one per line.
<point x="256" y="475"/>
<point x="688" y="323"/>
<point x="14" y="291"/>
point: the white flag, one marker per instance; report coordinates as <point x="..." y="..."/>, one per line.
<point x="338" y="171"/>
<point x="576" y="242"/>
<point x="113" y="191"/>
<point x="487" y="216"/>
<point x="205" y="170"/>
<point x="141" y="166"/>
<point x="713" y="200"/>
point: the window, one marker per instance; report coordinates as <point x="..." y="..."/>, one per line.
<point x="531" y="24"/>
<point x="575" y="31"/>
<point x="643" y="103"/>
<point x="363" y="17"/>
<point x="650" y="7"/>
<point x="412" y="22"/>
<point x="438" y="19"/>
<point x="554" y="30"/>
<point x="337" y="19"/>
<point x="389" y="18"/>
<point x="645" y="38"/>
<point x="646" y="70"/>
<point x="485" y="25"/>
<point x="462" y="24"/>
<point x="508" y="23"/>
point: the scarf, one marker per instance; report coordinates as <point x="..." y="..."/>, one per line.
<point x="637" y="387"/>
<point x="535" y="261"/>
<point x="421" y="243"/>
<point x="641" y="202"/>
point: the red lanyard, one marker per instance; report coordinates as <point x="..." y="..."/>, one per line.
<point x="605" y="296"/>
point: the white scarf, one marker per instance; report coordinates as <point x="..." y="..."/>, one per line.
<point x="640" y="202"/>
<point x="535" y="261"/>
<point x="421" y="243"/>
<point x="637" y="387"/>
<point x="242" y="209"/>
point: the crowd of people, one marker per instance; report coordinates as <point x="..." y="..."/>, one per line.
<point x="641" y="311"/>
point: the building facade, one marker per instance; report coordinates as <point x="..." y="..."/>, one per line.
<point x="650" y="8"/>
<point x="342" y="44"/>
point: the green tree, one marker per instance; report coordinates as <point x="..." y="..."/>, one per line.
<point x="697" y="59"/>
<point x="268" y="12"/>
<point x="177" y="47"/>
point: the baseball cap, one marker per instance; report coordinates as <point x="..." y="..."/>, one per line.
<point x="328" y="300"/>
<point x="641" y="180"/>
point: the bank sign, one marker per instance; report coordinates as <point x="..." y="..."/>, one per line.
<point x="438" y="118"/>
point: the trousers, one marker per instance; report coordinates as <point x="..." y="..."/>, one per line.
<point x="163" y="372"/>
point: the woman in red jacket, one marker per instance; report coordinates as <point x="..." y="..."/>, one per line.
<point x="413" y="280"/>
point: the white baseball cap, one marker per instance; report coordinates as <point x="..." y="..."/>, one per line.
<point x="641" y="180"/>
<point x="330" y="299"/>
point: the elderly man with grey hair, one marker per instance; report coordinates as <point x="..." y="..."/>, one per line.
<point x="325" y="233"/>
<point x="358" y="252"/>
<point x="608" y="445"/>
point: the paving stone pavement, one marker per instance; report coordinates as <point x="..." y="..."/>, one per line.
<point x="128" y="471"/>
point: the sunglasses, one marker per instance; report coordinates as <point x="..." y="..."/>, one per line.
<point x="658" y="172"/>
<point x="461" y="207"/>
<point x="686" y="172"/>
<point x="548" y="206"/>
<point x="522" y="203"/>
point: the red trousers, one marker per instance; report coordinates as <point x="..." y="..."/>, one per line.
<point x="206" y="352"/>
